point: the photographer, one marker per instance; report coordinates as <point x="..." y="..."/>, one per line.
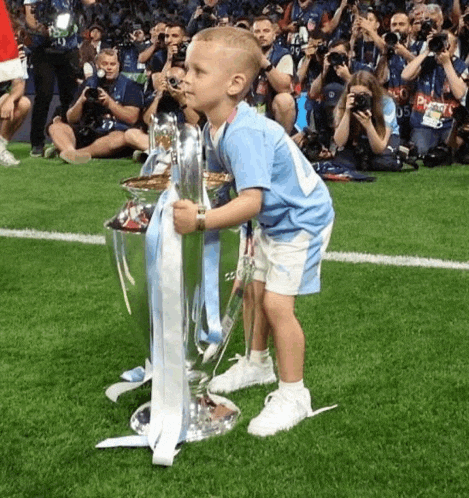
<point x="107" y="105"/>
<point x="271" y="91"/>
<point x="462" y="50"/>
<point x="174" y="48"/>
<point x="440" y="86"/>
<point x="54" y="54"/>
<point x="164" y="94"/>
<point x="157" y="43"/>
<point x="366" y="130"/>
<point x="130" y="46"/>
<point x="326" y="88"/>
<point x="365" y="41"/>
<point x="301" y="17"/>
<point x="206" y="16"/>
<point x="396" y="55"/>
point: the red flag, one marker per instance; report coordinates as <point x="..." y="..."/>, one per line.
<point x="10" y="64"/>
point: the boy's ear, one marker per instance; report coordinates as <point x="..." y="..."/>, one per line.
<point x="237" y="84"/>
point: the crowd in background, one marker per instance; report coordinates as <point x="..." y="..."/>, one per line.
<point x="415" y="52"/>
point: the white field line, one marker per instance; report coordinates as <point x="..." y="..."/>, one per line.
<point x="344" y="257"/>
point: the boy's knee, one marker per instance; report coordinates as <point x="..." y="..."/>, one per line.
<point x="276" y="306"/>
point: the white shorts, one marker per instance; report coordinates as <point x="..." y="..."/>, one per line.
<point x="289" y="268"/>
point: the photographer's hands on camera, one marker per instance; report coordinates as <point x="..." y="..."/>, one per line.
<point x="363" y="117"/>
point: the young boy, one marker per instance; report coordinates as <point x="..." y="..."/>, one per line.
<point x="276" y="184"/>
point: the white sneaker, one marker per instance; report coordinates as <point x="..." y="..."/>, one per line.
<point x="7" y="159"/>
<point x="281" y="413"/>
<point x="243" y="373"/>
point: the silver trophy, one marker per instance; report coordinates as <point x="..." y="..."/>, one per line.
<point x="204" y="333"/>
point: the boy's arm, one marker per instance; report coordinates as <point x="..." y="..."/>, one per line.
<point x="240" y="209"/>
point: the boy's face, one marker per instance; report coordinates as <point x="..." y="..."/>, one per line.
<point x="207" y="77"/>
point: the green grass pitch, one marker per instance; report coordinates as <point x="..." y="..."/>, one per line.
<point x="389" y="344"/>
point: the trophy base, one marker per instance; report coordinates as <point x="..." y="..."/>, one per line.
<point x="210" y="415"/>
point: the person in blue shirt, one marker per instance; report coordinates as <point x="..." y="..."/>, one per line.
<point x="275" y="184"/>
<point x="96" y="124"/>
<point x="440" y="87"/>
<point x="366" y="129"/>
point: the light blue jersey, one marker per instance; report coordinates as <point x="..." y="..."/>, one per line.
<point x="259" y="154"/>
<point x="389" y="114"/>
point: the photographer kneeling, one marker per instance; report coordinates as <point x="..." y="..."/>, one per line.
<point x="107" y="106"/>
<point x="366" y="129"/>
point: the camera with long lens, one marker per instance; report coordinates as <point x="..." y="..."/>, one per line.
<point x="311" y="146"/>
<point x="337" y="59"/>
<point x="362" y="102"/>
<point x="92" y="92"/>
<point x="392" y="39"/>
<point x="438" y="43"/>
<point x="425" y="29"/>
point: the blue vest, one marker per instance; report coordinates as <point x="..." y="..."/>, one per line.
<point x="262" y="92"/>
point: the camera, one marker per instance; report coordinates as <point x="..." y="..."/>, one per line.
<point x="425" y="28"/>
<point x="438" y="43"/>
<point x="311" y="147"/>
<point x="92" y="93"/>
<point x="173" y="82"/>
<point x="180" y="55"/>
<point x="337" y="59"/>
<point x="321" y="49"/>
<point x="391" y="39"/>
<point x="362" y="102"/>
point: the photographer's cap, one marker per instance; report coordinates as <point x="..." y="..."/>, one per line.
<point x="332" y="93"/>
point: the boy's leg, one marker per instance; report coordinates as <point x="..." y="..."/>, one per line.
<point x="259" y="369"/>
<point x="288" y="335"/>
<point x="291" y="402"/>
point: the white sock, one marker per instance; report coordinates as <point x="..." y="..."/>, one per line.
<point x="259" y="357"/>
<point x="3" y="141"/>
<point x="290" y="387"/>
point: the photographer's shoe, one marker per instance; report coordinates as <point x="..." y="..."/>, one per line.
<point x="7" y="159"/>
<point x="243" y="373"/>
<point x="75" y="156"/>
<point x="51" y="152"/>
<point x="281" y="412"/>
<point x="37" y="151"/>
<point x="140" y="156"/>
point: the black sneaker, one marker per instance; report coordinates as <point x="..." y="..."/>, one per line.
<point x="37" y="151"/>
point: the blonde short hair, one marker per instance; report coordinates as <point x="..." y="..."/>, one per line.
<point x="111" y="52"/>
<point x="250" y="52"/>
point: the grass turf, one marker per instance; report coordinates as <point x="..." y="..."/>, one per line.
<point x="389" y="344"/>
